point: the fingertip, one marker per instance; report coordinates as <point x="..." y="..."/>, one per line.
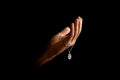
<point x="80" y="18"/>
<point x="67" y="28"/>
<point x="72" y="24"/>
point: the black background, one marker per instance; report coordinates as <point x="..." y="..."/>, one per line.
<point x="89" y="53"/>
<point x="30" y="29"/>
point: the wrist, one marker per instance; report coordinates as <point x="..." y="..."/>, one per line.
<point x="46" y="56"/>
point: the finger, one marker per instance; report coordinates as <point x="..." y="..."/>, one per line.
<point x="64" y="32"/>
<point x="72" y="32"/>
<point x="80" y="25"/>
<point x="68" y="39"/>
<point x="76" y="29"/>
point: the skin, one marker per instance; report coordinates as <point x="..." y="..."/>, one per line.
<point x="61" y="41"/>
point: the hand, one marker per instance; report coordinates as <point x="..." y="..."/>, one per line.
<point x="61" y="41"/>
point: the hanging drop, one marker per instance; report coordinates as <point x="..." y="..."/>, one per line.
<point x="69" y="56"/>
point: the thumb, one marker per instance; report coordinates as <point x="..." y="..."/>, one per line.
<point x="65" y="31"/>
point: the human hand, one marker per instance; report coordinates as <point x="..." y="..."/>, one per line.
<point x="66" y="38"/>
<point x="63" y="40"/>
